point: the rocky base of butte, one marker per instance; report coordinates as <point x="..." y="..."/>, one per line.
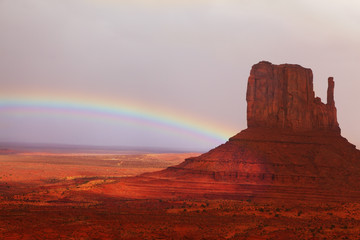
<point x="292" y="147"/>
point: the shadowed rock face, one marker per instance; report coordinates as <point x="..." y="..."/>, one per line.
<point x="292" y="145"/>
<point x="282" y="97"/>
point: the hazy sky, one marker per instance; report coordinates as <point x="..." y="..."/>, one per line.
<point x="178" y="59"/>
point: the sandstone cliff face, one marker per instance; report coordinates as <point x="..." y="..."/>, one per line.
<point x="282" y="96"/>
<point x="292" y="146"/>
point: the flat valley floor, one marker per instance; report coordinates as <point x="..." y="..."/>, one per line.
<point x="64" y="196"/>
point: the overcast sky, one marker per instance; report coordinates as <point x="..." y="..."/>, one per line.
<point x="190" y="58"/>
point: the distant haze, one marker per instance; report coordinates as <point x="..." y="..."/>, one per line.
<point x="189" y="59"/>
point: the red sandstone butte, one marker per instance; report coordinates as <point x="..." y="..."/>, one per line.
<point x="291" y="149"/>
<point x="282" y="96"/>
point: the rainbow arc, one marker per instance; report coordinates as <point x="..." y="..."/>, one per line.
<point x="110" y="111"/>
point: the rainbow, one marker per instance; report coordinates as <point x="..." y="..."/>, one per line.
<point x="114" y="111"/>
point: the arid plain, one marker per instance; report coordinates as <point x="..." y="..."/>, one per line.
<point x="48" y="195"/>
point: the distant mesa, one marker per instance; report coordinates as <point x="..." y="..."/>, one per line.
<point x="291" y="148"/>
<point x="6" y="151"/>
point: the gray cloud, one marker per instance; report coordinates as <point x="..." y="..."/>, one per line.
<point x="191" y="57"/>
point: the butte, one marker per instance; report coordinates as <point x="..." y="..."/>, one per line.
<point x="292" y="149"/>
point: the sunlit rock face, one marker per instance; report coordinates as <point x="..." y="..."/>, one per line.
<point x="282" y="96"/>
<point x="292" y="146"/>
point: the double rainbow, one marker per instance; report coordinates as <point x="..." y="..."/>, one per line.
<point x="114" y="111"/>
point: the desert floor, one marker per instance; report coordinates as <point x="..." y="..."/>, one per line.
<point x="62" y="196"/>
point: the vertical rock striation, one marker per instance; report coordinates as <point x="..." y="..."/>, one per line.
<point x="282" y="97"/>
